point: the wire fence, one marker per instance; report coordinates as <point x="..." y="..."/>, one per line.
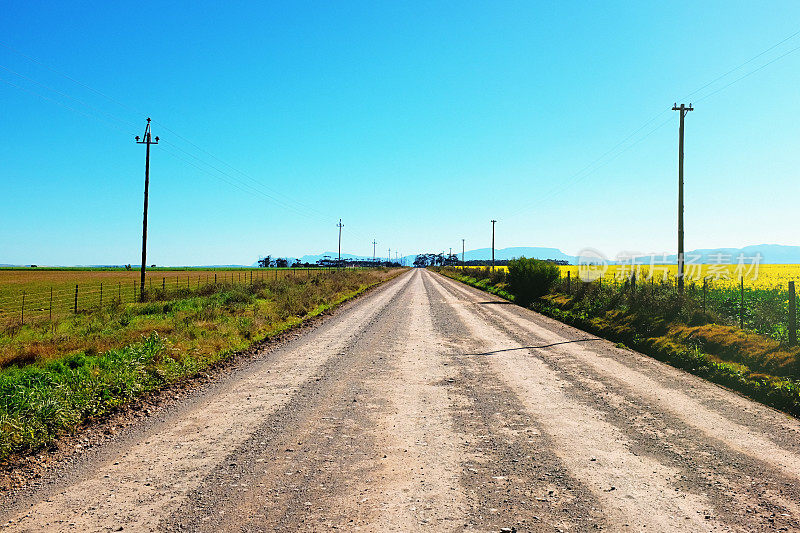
<point x="30" y="306"/>
<point x="768" y="311"/>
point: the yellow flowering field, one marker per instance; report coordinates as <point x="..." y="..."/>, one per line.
<point x="757" y="277"/>
<point x="725" y="275"/>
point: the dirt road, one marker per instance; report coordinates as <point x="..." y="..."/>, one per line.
<point x="428" y="405"/>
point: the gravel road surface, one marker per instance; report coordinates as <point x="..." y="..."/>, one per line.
<point x="429" y="405"/>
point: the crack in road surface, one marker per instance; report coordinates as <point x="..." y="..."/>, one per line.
<point x="423" y="406"/>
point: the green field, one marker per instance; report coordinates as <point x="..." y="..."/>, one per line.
<point x="56" y="374"/>
<point x="36" y="294"/>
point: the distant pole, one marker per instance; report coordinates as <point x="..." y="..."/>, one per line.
<point x="374" y="243"/>
<point x="493" y="223"/>
<point x="389" y="257"/>
<point x="451" y="253"/>
<point x="683" y="109"/>
<point x="147" y="141"/>
<point x="741" y="303"/>
<point x="340" y="226"/>
<point x="792" y="315"/>
<point x="462" y="252"/>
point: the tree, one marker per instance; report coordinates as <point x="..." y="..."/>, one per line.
<point x="281" y="263"/>
<point x="421" y="261"/>
<point x="265" y="262"/>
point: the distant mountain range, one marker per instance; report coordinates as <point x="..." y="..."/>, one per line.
<point x="770" y="254"/>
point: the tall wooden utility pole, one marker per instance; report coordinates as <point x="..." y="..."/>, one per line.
<point x="683" y="109"/>
<point x="389" y="257"/>
<point x="462" y="252"/>
<point x="493" y="223"/>
<point x="373" y="249"/>
<point x="146" y="141"/>
<point x="340" y="226"/>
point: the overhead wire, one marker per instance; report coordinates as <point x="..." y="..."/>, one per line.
<point x="273" y="196"/>
<point x="598" y="163"/>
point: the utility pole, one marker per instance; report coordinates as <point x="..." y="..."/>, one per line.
<point x="683" y="109"/>
<point x="493" y="223"/>
<point x="451" y="253"/>
<point x="462" y="252"/>
<point x="373" y="249"/>
<point x="340" y="226"/>
<point x="389" y="257"/>
<point x="147" y="141"/>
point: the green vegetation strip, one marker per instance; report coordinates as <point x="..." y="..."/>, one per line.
<point x="56" y="392"/>
<point x="662" y="325"/>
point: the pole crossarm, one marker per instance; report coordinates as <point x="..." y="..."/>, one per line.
<point x="148" y="141"/>
<point x="681" y="258"/>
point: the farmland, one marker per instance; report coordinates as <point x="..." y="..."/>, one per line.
<point x="717" y="276"/>
<point x="51" y="293"/>
<point x="720" y="276"/>
<point x="55" y="374"/>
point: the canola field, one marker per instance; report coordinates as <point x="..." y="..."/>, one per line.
<point x="717" y="276"/>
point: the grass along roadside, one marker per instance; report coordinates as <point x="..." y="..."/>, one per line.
<point x="95" y="363"/>
<point x="660" y="324"/>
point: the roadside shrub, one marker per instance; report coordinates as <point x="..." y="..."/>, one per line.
<point x="529" y="279"/>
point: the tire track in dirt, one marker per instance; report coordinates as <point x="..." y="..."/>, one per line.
<point x="747" y="476"/>
<point x="635" y="491"/>
<point x="142" y="482"/>
<point x="367" y="446"/>
<point x="512" y="476"/>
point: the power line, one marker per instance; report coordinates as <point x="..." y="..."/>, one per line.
<point x="734" y="69"/>
<point x="598" y="163"/>
<point x="737" y="80"/>
<point x="273" y="197"/>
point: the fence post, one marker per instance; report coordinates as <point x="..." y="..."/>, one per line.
<point x="75" y="309"/>
<point x="101" y="295"/>
<point x="22" y="319"/>
<point x="569" y="281"/>
<point x="119" y="292"/>
<point x="741" y="303"/>
<point x="51" y="304"/>
<point x="792" y="315"/>
<point x="705" y="293"/>
<point x="134" y="290"/>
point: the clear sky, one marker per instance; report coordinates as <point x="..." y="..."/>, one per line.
<point x="415" y="122"/>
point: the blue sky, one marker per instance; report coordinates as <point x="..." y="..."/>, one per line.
<point x="416" y="123"/>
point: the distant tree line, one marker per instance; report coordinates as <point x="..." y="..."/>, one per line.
<point x="426" y="260"/>
<point x="327" y="261"/>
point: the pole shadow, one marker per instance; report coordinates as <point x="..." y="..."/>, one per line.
<point x="532" y="347"/>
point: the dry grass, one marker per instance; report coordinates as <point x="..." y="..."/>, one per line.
<point x="55" y="378"/>
<point x="96" y="287"/>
